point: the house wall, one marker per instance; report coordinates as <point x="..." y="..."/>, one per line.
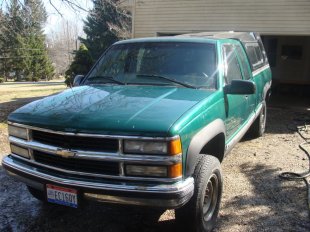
<point x="286" y="21"/>
<point x="269" y="17"/>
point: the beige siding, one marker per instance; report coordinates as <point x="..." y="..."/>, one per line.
<point x="269" y="17"/>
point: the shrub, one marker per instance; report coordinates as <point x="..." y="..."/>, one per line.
<point x="35" y="79"/>
<point x="1" y="80"/>
<point x="69" y="81"/>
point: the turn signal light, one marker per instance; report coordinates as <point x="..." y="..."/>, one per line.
<point x="175" y="147"/>
<point x="175" y="170"/>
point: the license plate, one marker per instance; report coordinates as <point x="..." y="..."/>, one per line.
<point x="62" y="196"/>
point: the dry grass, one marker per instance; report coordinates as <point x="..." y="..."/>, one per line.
<point x="11" y="91"/>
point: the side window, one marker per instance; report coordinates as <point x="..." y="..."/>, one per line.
<point x="244" y="62"/>
<point x="232" y="69"/>
<point x="255" y="55"/>
<point x="262" y="48"/>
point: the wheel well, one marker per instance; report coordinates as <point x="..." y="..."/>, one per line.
<point x="215" y="147"/>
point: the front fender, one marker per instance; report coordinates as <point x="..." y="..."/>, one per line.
<point x="198" y="141"/>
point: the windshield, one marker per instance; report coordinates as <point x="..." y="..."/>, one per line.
<point x="158" y="63"/>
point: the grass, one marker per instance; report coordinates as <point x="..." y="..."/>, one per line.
<point x="11" y="91"/>
<point x="13" y="95"/>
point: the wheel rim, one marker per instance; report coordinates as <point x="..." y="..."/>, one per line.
<point x="211" y="198"/>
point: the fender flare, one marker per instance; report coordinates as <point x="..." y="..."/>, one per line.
<point x="199" y="140"/>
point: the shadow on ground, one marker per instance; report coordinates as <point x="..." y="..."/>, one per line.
<point x="21" y="212"/>
<point x="273" y="209"/>
<point x="289" y="121"/>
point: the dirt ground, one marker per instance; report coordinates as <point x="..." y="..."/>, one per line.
<point x="254" y="198"/>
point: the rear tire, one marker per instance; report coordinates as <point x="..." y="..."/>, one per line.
<point x="258" y="128"/>
<point x="36" y="193"/>
<point x="200" y="213"/>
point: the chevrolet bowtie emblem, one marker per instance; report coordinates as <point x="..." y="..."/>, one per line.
<point x="65" y="153"/>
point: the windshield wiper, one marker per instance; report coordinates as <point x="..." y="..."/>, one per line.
<point x="109" y="78"/>
<point x="168" y="79"/>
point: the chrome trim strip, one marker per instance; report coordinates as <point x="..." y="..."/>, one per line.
<point x="242" y="132"/>
<point x="121" y="164"/>
<point x="94" y="155"/>
<point x="95" y="135"/>
<point x="181" y="186"/>
<point x="261" y="69"/>
<point x="29" y="134"/>
<point x="121" y="169"/>
<point x="86" y="174"/>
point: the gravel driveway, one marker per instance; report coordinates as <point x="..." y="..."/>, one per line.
<point x="254" y="199"/>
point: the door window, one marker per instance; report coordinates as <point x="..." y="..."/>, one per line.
<point x="232" y="68"/>
<point x="244" y="63"/>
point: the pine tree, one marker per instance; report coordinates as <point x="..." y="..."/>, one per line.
<point x="12" y="27"/>
<point x="81" y="64"/>
<point x="39" y="64"/>
<point x="25" y="53"/>
<point x="104" y="26"/>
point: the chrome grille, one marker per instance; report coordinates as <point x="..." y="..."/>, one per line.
<point x="76" y="142"/>
<point x="78" y="165"/>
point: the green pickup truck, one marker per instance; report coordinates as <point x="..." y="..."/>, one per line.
<point x="149" y="125"/>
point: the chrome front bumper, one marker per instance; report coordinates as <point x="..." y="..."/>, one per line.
<point x="157" y="195"/>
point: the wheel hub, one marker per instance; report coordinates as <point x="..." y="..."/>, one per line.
<point x="211" y="198"/>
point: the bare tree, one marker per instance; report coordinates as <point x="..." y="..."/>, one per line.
<point x="62" y="43"/>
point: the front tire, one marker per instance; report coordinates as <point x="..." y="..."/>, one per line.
<point x="201" y="212"/>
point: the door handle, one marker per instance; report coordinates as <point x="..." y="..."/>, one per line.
<point x="246" y="97"/>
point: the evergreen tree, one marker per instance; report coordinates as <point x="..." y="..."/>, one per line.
<point x="38" y="65"/>
<point x="81" y="64"/>
<point x="10" y="37"/>
<point x="25" y="54"/>
<point x="104" y="25"/>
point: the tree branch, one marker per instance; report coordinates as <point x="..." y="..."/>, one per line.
<point x="50" y="1"/>
<point x="74" y="5"/>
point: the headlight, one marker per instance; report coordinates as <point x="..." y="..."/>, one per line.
<point x="146" y="147"/>
<point x="24" y="152"/>
<point x="172" y="147"/>
<point x="18" y="132"/>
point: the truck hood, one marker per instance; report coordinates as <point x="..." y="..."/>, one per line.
<point x="110" y="109"/>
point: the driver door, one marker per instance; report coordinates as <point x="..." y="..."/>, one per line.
<point x="235" y="105"/>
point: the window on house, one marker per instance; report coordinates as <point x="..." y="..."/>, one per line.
<point x="291" y="52"/>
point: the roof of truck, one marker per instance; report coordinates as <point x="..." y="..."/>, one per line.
<point x="168" y="39"/>
<point x="204" y="37"/>
<point x="243" y="36"/>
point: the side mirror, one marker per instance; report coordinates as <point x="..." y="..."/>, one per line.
<point x="240" y="87"/>
<point x="77" y="80"/>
